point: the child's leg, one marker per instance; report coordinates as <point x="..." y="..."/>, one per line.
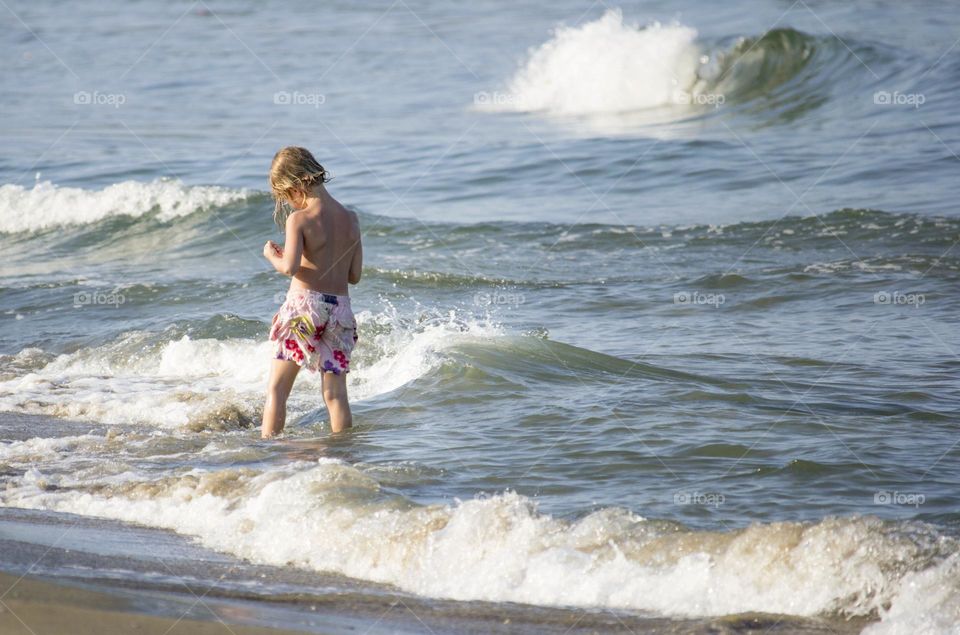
<point x="282" y="374"/>
<point x="335" y="396"/>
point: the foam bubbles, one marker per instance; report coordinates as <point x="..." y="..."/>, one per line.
<point x="928" y="602"/>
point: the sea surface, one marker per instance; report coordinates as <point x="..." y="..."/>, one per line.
<point x="659" y="314"/>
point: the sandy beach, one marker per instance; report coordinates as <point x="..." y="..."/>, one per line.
<point x="34" y="607"/>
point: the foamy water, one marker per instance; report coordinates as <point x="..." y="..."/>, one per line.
<point x="500" y="548"/>
<point x="143" y="379"/>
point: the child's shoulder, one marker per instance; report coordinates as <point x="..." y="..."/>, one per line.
<point x="297" y="217"/>
<point x="349" y="213"/>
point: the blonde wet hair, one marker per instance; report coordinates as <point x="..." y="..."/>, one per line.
<point x="293" y="170"/>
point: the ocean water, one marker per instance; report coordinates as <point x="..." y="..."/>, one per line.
<point x="659" y="312"/>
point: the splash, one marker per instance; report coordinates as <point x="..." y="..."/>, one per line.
<point x="604" y="66"/>
<point x="156" y="379"/>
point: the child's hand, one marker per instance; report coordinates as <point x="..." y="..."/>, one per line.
<point x="272" y="248"/>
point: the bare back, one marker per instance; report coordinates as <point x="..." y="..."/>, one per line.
<point x="331" y="241"/>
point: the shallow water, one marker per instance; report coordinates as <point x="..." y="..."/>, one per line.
<point x="654" y="318"/>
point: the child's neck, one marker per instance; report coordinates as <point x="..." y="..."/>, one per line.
<point x="317" y="199"/>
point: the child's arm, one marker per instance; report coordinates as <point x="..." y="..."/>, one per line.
<point x="286" y="259"/>
<point x="356" y="263"/>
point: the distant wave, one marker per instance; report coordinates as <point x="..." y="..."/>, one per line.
<point x="915" y="237"/>
<point x="45" y="205"/>
<point x="609" y="66"/>
<point x="603" y="66"/>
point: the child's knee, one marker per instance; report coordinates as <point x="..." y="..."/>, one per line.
<point x="333" y="395"/>
<point x="278" y="390"/>
<point x="334" y="391"/>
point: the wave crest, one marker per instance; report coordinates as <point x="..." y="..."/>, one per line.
<point x="500" y="548"/>
<point x="604" y="66"/>
<point x="45" y="205"/>
<point x="609" y="67"/>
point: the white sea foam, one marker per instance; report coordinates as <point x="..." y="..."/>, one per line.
<point x="604" y="66"/>
<point x="500" y="548"/>
<point x="173" y="383"/>
<point x="43" y="448"/>
<point x="46" y="205"/>
<point x="928" y="601"/>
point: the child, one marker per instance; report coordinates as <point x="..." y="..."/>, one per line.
<point x="314" y="327"/>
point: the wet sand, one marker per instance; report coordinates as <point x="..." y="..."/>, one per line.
<point x="36" y="607"/>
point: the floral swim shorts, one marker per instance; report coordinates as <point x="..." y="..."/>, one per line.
<point x="315" y="330"/>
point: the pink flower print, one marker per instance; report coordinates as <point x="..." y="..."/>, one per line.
<point x="341" y="359"/>
<point x="295" y="351"/>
